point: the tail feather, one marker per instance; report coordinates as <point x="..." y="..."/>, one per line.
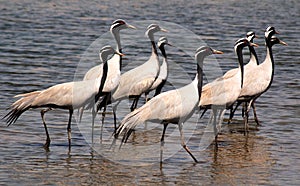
<point x="19" y="107"/>
<point x="130" y="121"/>
<point x="27" y="94"/>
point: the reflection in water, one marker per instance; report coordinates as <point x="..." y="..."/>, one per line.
<point x="241" y="157"/>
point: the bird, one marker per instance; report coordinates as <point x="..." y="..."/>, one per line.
<point x="221" y="93"/>
<point x="67" y="96"/>
<point x="137" y="81"/>
<point x="256" y="85"/>
<point x="174" y="106"/>
<point x="164" y="72"/>
<point x="114" y="70"/>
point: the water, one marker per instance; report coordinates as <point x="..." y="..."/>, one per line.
<point x="43" y="42"/>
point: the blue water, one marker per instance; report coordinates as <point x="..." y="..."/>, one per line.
<point x="42" y="44"/>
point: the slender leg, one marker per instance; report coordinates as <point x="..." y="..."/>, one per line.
<point x="69" y="127"/>
<point x="221" y="116"/>
<point x="93" y="123"/>
<point x="183" y="142"/>
<point x="47" y="144"/>
<point x="254" y="113"/>
<point x="233" y="111"/>
<point x="80" y="113"/>
<point x="107" y="98"/>
<point x="246" y="118"/>
<point x="215" y="123"/>
<point x="135" y="103"/>
<point x="132" y="105"/>
<point x="231" y="115"/>
<point x="162" y="142"/>
<point x="203" y="112"/>
<point x="115" y="116"/>
<point x="103" y="114"/>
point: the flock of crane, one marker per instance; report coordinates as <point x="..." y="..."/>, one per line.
<point x="104" y="84"/>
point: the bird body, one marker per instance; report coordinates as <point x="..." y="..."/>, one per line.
<point x="60" y="96"/>
<point x="257" y="83"/>
<point x="138" y="80"/>
<point x="223" y="91"/>
<point x="174" y="105"/>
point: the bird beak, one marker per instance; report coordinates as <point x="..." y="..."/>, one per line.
<point x="283" y="43"/>
<point x="254" y="44"/>
<point x="256" y="36"/>
<point x="170" y="44"/>
<point x="120" y="54"/>
<point x="131" y="26"/>
<point x="163" y="30"/>
<point x="217" y="52"/>
<point x="276" y="32"/>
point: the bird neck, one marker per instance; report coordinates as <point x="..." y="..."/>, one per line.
<point x="153" y="46"/>
<point x="163" y="51"/>
<point x="102" y="81"/>
<point x="270" y="59"/>
<point x="164" y="66"/>
<point x="253" y="55"/>
<point x="239" y="53"/>
<point x="269" y="55"/>
<point x="116" y="35"/>
<point x="199" y="77"/>
<point x="150" y="35"/>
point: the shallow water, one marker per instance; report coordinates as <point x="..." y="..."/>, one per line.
<point x="44" y="43"/>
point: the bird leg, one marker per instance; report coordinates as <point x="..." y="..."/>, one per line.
<point x="254" y="113"/>
<point x="162" y="142"/>
<point x="115" y="116"/>
<point x="134" y="103"/>
<point x="246" y="116"/>
<point x="69" y="127"/>
<point x="183" y="142"/>
<point x="47" y="144"/>
<point x="215" y="122"/>
<point x="107" y="98"/>
<point x="221" y="116"/>
<point x="232" y="111"/>
<point x="205" y="109"/>
<point x="93" y="123"/>
<point x="244" y="108"/>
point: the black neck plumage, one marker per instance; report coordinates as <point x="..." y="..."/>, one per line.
<point x="241" y="64"/>
<point x="120" y="50"/>
<point x="102" y="82"/>
<point x="163" y="51"/>
<point x="200" y="77"/>
<point x="253" y="53"/>
<point x="154" y="50"/>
